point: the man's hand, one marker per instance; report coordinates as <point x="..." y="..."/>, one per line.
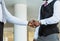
<point x="33" y="23"/>
<point x="36" y="23"/>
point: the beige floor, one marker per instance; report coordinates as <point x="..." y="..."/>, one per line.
<point x="8" y="32"/>
<point x="30" y="34"/>
<point x="9" y="35"/>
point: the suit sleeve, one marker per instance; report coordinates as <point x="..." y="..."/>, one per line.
<point x="56" y="16"/>
<point x="12" y="19"/>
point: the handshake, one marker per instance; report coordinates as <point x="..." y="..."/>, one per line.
<point x="33" y="23"/>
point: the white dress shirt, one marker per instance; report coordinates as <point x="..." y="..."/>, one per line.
<point x="5" y="15"/>
<point x="0" y="12"/>
<point x="52" y="20"/>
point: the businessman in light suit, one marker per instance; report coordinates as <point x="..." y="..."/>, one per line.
<point x="6" y="16"/>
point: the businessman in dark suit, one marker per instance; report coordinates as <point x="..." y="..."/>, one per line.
<point x="46" y="26"/>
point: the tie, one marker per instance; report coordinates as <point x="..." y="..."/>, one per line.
<point x="45" y="4"/>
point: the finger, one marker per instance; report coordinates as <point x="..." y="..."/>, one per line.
<point x="32" y="26"/>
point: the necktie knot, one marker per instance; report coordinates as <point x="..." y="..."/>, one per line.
<point x="45" y="4"/>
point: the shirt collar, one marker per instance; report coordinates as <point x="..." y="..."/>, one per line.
<point x="48" y="1"/>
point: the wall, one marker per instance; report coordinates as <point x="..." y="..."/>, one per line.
<point x="33" y="8"/>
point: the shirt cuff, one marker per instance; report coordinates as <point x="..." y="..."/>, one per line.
<point x="36" y="33"/>
<point x="25" y="23"/>
<point x="43" y="22"/>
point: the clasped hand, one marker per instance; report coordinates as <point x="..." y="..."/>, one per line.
<point x="33" y="23"/>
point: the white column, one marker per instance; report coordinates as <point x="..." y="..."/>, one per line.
<point x="20" y="32"/>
